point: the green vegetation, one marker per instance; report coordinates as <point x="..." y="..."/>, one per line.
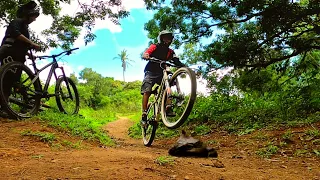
<point x="313" y="133"/>
<point x="287" y="135"/>
<point x="165" y="160"/>
<point x="101" y="100"/>
<point x="268" y="151"/>
<point x="52" y="139"/>
<point x="43" y="136"/>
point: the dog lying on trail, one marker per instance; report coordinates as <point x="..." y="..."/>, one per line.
<point x="189" y="146"/>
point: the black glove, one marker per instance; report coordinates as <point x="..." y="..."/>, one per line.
<point x="177" y="62"/>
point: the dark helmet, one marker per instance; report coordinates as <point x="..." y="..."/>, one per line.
<point x="162" y="33"/>
<point x="28" y="10"/>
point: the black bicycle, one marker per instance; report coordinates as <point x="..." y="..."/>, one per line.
<point x="21" y="89"/>
<point x="177" y="91"/>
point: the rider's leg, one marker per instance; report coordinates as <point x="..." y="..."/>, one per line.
<point x="146" y="89"/>
<point x="145" y="101"/>
<point x="169" y="110"/>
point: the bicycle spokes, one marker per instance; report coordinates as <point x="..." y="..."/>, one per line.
<point x="149" y="129"/>
<point x="21" y="94"/>
<point x="67" y="96"/>
<point x="177" y="105"/>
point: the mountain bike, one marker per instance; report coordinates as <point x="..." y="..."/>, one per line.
<point x="176" y="91"/>
<point x="21" y="90"/>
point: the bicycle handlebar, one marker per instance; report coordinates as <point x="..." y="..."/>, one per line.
<point x="153" y="59"/>
<point x="68" y="52"/>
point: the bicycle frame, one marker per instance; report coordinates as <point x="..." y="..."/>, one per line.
<point x="164" y="86"/>
<point x="54" y="65"/>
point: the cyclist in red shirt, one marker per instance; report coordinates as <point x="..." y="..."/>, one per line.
<point x="153" y="72"/>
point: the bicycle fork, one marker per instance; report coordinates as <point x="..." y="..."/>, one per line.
<point x="67" y="83"/>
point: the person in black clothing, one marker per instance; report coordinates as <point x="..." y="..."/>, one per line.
<point x="15" y="44"/>
<point x="153" y="72"/>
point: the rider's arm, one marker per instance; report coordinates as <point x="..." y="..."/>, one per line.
<point x="21" y="37"/>
<point x="177" y="61"/>
<point x="150" y="50"/>
<point x="15" y="26"/>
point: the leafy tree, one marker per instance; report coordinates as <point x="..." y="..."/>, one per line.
<point x="66" y="29"/>
<point x="253" y="33"/>
<point x="125" y="61"/>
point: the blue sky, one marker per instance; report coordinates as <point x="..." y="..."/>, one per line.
<point x="107" y="45"/>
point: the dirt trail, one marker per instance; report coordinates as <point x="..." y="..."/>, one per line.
<point x="25" y="157"/>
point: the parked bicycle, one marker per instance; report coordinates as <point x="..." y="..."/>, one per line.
<point x="177" y="90"/>
<point x="22" y="98"/>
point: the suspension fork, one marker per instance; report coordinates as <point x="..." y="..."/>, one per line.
<point x="166" y="83"/>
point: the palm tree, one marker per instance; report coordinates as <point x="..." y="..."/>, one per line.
<point x="123" y="56"/>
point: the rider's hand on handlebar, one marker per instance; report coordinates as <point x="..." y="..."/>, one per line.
<point x="32" y="57"/>
<point x="35" y="46"/>
<point x="145" y="56"/>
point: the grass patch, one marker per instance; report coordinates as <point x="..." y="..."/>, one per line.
<point x="260" y="136"/>
<point x="51" y="139"/>
<point x="316" y="152"/>
<point x="165" y="160"/>
<point x="301" y="152"/>
<point x="202" y="129"/>
<point x="287" y="135"/>
<point x="77" y="145"/>
<point x="316" y="142"/>
<point x="135" y="130"/>
<point x="37" y="156"/>
<point x="84" y="127"/>
<point x="42" y="136"/>
<point x="314" y="133"/>
<point x="268" y="151"/>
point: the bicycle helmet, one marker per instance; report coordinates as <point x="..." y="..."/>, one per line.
<point x="30" y="9"/>
<point x="162" y="33"/>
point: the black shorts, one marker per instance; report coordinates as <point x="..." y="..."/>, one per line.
<point x="9" y="54"/>
<point x="150" y="79"/>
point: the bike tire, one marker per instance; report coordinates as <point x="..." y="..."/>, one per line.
<point x="60" y="95"/>
<point x="183" y="117"/>
<point x="19" y="113"/>
<point x="148" y="135"/>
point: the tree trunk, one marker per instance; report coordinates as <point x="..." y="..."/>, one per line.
<point x="123" y="76"/>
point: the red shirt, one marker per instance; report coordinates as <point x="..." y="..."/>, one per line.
<point x="159" y="52"/>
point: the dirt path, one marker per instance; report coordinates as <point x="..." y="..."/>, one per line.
<point x="24" y="157"/>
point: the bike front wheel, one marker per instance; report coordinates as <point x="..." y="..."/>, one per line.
<point x="150" y="126"/>
<point x="19" y="92"/>
<point x="67" y="96"/>
<point x="176" y="108"/>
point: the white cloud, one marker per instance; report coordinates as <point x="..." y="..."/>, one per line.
<point x="80" y="68"/>
<point x="133" y="4"/>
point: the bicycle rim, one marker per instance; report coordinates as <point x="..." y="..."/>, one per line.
<point x="19" y="95"/>
<point x="183" y="87"/>
<point x="67" y="96"/>
<point x="149" y="130"/>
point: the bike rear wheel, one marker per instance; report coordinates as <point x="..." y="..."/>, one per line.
<point x="149" y="129"/>
<point x="183" y="87"/>
<point x="19" y="95"/>
<point x="67" y="96"/>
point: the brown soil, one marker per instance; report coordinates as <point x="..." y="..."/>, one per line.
<point x="25" y="157"/>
